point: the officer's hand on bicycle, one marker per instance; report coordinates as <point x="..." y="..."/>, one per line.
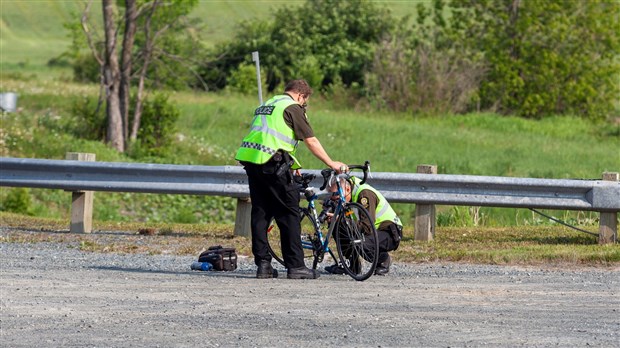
<point x="339" y="167"/>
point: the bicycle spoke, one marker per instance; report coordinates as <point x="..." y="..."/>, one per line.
<point x="357" y="242"/>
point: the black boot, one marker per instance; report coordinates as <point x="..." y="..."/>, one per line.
<point x="383" y="267"/>
<point x="265" y="271"/>
<point x="302" y="273"/>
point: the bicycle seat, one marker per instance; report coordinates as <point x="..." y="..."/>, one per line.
<point x="308" y="177"/>
<point x="304" y="180"/>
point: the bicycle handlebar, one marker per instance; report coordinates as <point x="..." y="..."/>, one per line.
<point x="328" y="173"/>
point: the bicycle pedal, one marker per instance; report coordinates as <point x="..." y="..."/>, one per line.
<point x="319" y="256"/>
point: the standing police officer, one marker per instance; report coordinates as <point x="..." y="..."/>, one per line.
<point x="268" y="156"/>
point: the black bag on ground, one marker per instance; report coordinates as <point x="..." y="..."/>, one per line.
<point x="222" y="259"/>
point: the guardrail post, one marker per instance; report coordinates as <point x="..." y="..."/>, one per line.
<point x="424" y="226"/>
<point x="608" y="229"/>
<point x="81" y="201"/>
<point x="242" y="220"/>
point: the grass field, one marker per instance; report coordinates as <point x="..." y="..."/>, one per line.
<point x="477" y="144"/>
<point x="538" y="245"/>
<point x="211" y="126"/>
<point x="32" y="31"/>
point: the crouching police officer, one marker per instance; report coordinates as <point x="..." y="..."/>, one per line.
<point x="388" y="225"/>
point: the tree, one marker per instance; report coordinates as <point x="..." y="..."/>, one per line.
<point x="424" y="67"/>
<point x="323" y="40"/>
<point x="551" y="56"/>
<point x="531" y="58"/>
<point x="111" y="80"/>
<point x="129" y="37"/>
<point x="145" y="30"/>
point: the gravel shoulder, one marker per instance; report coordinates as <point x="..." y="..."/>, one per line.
<point x="54" y="295"/>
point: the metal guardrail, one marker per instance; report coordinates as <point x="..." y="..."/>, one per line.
<point x="70" y="175"/>
<point x="425" y="190"/>
<point x="443" y="189"/>
<point x="231" y="181"/>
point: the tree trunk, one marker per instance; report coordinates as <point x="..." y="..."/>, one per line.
<point x="513" y="11"/>
<point x="126" y="64"/>
<point x="147" y="53"/>
<point x="112" y="80"/>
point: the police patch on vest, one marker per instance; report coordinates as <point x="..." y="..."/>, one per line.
<point x="364" y="202"/>
<point x="264" y="110"/>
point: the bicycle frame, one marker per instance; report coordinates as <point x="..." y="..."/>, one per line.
<point x="351" y="242"/>
<point x="324" y="240"/>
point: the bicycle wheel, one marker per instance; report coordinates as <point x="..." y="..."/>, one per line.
<point x="307" y="236"/>
<point x="357" y="241"/>
<point x="273" y="242"/>
<point x="313" y="250"/>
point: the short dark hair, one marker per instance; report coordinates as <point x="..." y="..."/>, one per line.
<point x="299" y="86"/>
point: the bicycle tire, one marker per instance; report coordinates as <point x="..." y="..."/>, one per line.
<point x="307" y="232"/>
<point x="273" y="243"/>
<point x="357" y="243"/>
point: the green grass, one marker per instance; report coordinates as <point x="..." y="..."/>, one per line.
<point x="476" y="144"/>
<point x="32" y="31"/>
<point x="211" y="126"/>
<point x="541" y="245"/>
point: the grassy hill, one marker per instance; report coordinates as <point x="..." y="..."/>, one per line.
<point x="32" y="31"/>
<point x="211" y="125"/>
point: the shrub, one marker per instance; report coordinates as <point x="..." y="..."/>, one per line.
<point x="544" y="57"/>
<point x="319" y="40"/>
<point x="17" y="200"/>
<point x="157" y="127"/>
<point x="243" y="80"/>
<point x="86" y="69"/>
<point x="89" y="118"/>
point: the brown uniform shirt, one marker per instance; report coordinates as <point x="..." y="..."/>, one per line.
<point x="295" y="117"/>
<point x="369" y="200"/>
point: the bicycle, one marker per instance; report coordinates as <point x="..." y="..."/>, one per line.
<point x="350" y="226"/>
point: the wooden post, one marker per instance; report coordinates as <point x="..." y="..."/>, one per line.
<point x="608" y="229"/>
<point x="81" y="201"/>
<point x="242" y="220"/>
<point x="424" y="226"/>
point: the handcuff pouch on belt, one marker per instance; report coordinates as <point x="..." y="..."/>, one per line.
<point x="279" y="164"/>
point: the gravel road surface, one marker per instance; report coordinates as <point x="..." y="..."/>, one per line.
<point x="54" y="295"/>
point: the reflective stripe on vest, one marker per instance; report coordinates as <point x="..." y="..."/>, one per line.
<point x="384" y="211"/>
<point x="269" y="133"/>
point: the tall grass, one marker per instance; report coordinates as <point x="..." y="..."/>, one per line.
<point x="507" y="246"/>
<point x="474" y="144"/>
<point x="212" y="125"/>
<point x="33" y="31"/>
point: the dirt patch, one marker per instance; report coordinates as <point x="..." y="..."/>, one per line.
<point x="55" y="294"/>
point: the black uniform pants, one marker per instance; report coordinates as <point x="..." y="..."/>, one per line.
<point x="387" y="242"/>
<point x="274" y="197"/>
